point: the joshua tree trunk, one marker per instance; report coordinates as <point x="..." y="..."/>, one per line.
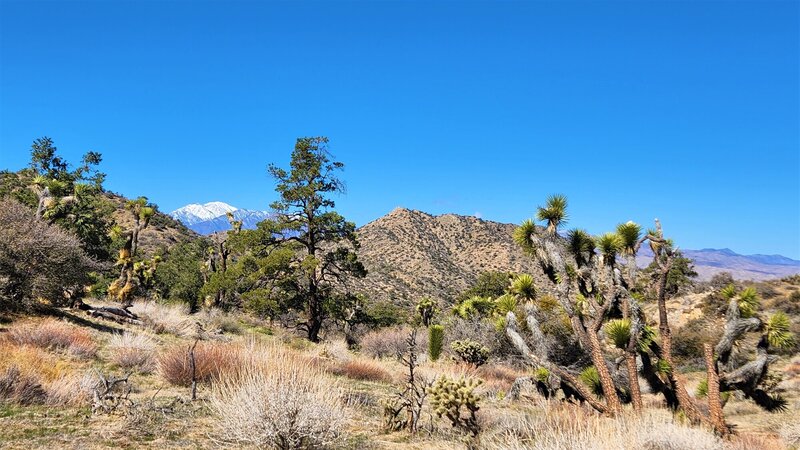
<point x="609" y="391"/>
<point x="633" y="376"/>
<point x="714" y="401"/>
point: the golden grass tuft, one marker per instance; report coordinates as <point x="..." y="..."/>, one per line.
<point x="52" y="334"/>
<point x="212" y="360"/>
<point x="361" y="369"/>
<point x="133" y="351"/>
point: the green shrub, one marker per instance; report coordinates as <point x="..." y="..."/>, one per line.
<point x="435" y="341"/>
<point x="471" y="352"/>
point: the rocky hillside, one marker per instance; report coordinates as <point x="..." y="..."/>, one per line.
<point x="163" y="231"/>
<point x="410" y="254"/>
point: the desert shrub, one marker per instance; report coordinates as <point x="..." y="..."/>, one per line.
<point x="216" y="320"/>
<point x="470" y="352"/>
<point x="435" y="341"/>
<point x="212" y="360"/>
<point x="359" y="369"/>
<point x="37" y="260"/>
<point x="389" y="342"/>
<point x="280" y="401"/>
<point x="74" y="389"/>
<point x="20" y="388"/>
<point x="476" y="330"/>
<point x="790" y="433"/>
<point x="688" y="340"/>
<point x="165" y="318"/>
<point x="562" y="426"/>
<point x="133" y="351"/>
<point x="178" y="277"/>
<point x="53" y="334"/>
<point x="488" y="284"/>
<point x="497" y="378"/>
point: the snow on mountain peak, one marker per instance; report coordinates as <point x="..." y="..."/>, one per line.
<point x="211" y="217"/>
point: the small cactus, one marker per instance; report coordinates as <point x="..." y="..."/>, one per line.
<point x="450" y="397"/>
<point x="471" y="352"/>
<point x="435" y="341"/>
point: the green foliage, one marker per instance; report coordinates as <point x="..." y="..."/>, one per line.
<point x="591" y="378"/>
<point x="456" y="400"/>
<point x="304" y="216"/>
<point x="435" y="341"/>
<point x="475" y="307"/>
<point x="179" y="276"/>
<point x="524" y="287"/>
<point x="541" y="374"/>
<point x="470" y="352"/>
<point x="778" y="331"/>
<point x="554" y="212"/>
<point x="609" y="245"/>
<point x="648" y="336"/>
<point x="629" y="234"/>
<point x="748" y="302"/>
<point x="504" y="304"/>
<point x="488" y="284"/>
<point x="522" y="235"/>
<point x="728" y="292"/>
<point x="619" y="331"/>
<point x="581" y="246"/>
<point x="702" y="391"/>
<point x="427" y="309"/>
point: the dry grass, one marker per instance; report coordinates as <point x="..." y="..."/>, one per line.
<point x="52" y="334"/>
<point x="388" y="342"/>
<point x="566" y="427"/>
<point x="361" y="369"/>
<point x="212" y="360"/>
<point x="280" y="400"/>
<point x="133" y="351"/>
<point x="165" y="318"/>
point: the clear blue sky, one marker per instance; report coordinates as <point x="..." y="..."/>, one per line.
<point x="686" y="111"/>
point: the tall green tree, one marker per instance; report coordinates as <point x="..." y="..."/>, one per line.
<point x="325" y="242"/>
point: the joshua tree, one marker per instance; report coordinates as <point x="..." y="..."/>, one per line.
<point x="427" y="308"/>
<point x="592" y="287"/>
<point x="123" y="287"/>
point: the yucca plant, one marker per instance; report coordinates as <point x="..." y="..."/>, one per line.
<point x="777" y="331"/>
<point x="591" y="378"/>
<point x="522" y="235"/>
<point x="609" y="245"/>
<point x="619" y="331"/>
<point x="629" y="233"/>
<point x="554" y="212"/>
<point x="581" y="246"/>
<point x="748" y="302"/>
<point x="435" y="341"/>
<point x="524" y="287"/>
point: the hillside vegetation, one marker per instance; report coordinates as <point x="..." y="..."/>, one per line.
<point x="122" y="329"/>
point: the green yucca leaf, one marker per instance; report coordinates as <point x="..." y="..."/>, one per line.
<point x="748" y="302"/>
<point x="523" y="285"/>
<point x="619" y="331"/>
<point x="647" y="337"/>
<point x="728" y="292"/>
<point x="778" y="334"/>
<point x="591" y="378"/>
<point x="580" y="244"/>
<point x="554" y="212"/>
<point x="702" y="389"/>
<point x="522" y="235"/>
<point x="663" y="367"/>
<point x="609" y="244"/>
<point x="541" y="374"/>
<point x="581" y="304"/>
<point x="505" y="304"/>
<point x="629" y="233"/>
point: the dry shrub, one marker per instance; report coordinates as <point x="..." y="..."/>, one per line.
<point x="389" y="342"/>
<point x="752" y="441"/>
<point x="21" y="388"/>
<point x="790" y="432"/>
<point x="215" y="320"/>
<point x="279" y="400"/>
<point x="566" y="427"/>
<point x="165" y="318"/>
<point x="361" y="369"/>
<point x="497" y="378"/>
<point x="31" y="360"/>
<point x="73" y="389"/>
<point x="133" y="351"/>
<point x="52" y="334"/>
<point x="212" y="360"/>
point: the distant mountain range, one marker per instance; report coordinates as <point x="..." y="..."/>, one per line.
<point x="211" y="217"/>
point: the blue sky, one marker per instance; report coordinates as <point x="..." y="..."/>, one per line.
<point x="686" y="111"/>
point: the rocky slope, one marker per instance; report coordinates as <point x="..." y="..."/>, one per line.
<point x="410" y="254"/>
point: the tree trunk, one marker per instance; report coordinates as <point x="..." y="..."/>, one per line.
<point x="714" y="401"/>
<point x="609" y="391"/>
<point x="633" y="377"/>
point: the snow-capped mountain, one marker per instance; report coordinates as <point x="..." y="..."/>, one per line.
<point x="210" y="218"/>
